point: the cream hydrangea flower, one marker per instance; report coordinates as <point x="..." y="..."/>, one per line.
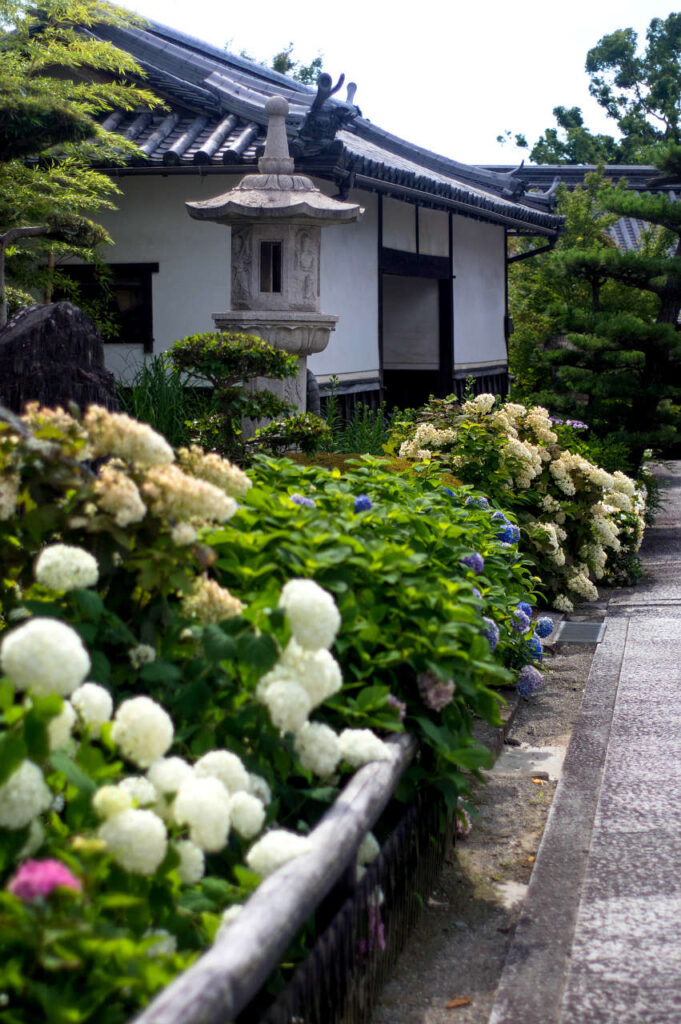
<point x="210" y="603"/>
<point x="44" y="656"/>
<point x="23" y="796"/>
<point x="563" y="603"/>
<point x="183" y="534"/>
<point x="360" y="746"/>
<point x="109" y="801"/>
<point x="318" y="749"/>
<point x="139" y="789"/>
<point x="118" y="495"/>
<point x="479" y="406"/>
<point x="247" y="814"/>
<point x="115" y="433"/>
<point x="60" y="727"/>
<point x="168" y="773"/>
<point x="136" y="839"/>
<point x="142" y="654"/>
<point x="142" y="731"/>
<point x="66" y="567"/>
<point x="225" y="766"/>
<point x="260" y="788"/>
<point x="275" y="849"/>
<point x="192" y="864"/>
<point x="216" y="470"/>
<point x="203" y="805"/>
<point x="94" y="706"/>
<point x="312" y="613"/>
<point x="177" y="495"/>
<point x="288" y="705"/>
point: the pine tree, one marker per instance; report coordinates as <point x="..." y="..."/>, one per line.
<point x="617" y="363"/>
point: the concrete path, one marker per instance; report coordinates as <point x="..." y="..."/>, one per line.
<point x="599" y="938"/>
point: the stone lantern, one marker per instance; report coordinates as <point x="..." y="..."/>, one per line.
<point x="277" y="219"/>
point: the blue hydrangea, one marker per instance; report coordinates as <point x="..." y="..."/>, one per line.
<point x="475" y="562"/>
<point x="534" y="643"/>
<point x="363" y="503"/>
<point x="449" y="492"/>
<point x="498" y="517"/>
<point x="477" y="593"/>
<point x="492" y="633"/>
<point x="510" y="534"/>
<point x="525" y="607"/>
<point x="529" y="681"/>
<point x="520" y="622"/>
<point x="300" y="499"/>
<point x="544" y="626"/>
<point x="478" y="502"/>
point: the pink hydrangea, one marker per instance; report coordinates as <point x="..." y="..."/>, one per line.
<point x="36" y="879"/>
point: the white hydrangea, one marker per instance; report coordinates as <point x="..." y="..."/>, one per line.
<point x="312" y="613"/>
<point x="109" y="801"/>
<point x="115" y="433"/>
<point x="23" y="796"/>
<point x="142" y="731"/>
<point x="139" y="789"/>
<point x="59" y="728"/>
<point x="623" y="483"/>
<point x="580" y="583"/>
<point x="368" y="849"/>
<point x="65" y="567"/>
<point x="479" y="406"/>
<point x="168" y="773"/>
<point x="9" y="492"/>
<point x="192" y="861"/>
<point x="563" y="603"/>
<point x="118" y="495"/>
<point x="212" y="467"/>
<point x="274" y="850"/>
<point x="360" y="746"/>
<point x="94" y="706"/>
<point x="44" y="656"/>
<point x="203" y="805"/>
<point x="177" y="495"/>
<point x="136" y="839"/>
<point x="318" y="749"/>
<point x="247" y="814"/>
<point x="228" y="915"/>
<point x="142" y="654"/>
<point x="183" y="534"/>
<point x="225" y="766"/>
<point x="317" y="672"/>
<point x="288" y="705"/>
<point x="259" y="787"/>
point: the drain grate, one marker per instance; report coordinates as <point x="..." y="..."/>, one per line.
<point x="580" y="632"/>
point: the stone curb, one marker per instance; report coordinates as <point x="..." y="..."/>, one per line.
<point x="533" y="979"/>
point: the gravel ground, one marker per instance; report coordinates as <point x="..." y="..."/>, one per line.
<point x="457" y="951"/>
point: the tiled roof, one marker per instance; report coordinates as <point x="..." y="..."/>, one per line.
<point x="627" y="232"/>
<point x="216" y="116"/>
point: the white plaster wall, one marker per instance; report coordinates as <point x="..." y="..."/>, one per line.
<point x="433" y="232"/>
<point x="151" y="225"/>
<point x="479" y="263"/>
<point x="349" y="290"/>
<point x="410" y="323"/>
<point x="399" y="225"/>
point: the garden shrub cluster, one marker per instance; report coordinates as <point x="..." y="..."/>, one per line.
<point x="578" y="523"/>
<point x="173" y="720"/>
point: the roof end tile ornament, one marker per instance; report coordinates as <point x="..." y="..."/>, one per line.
<point x="323" y="120"/>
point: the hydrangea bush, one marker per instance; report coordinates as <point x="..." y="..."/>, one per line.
<point x="193" y="660"/>
<point x="577" y="521"/>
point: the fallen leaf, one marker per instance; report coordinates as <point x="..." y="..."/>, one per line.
<point x="457" y="1002"/>
<point x="539" y="782"/>
<point x="530" y="860"/>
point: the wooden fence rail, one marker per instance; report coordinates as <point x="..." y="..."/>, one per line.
<point x="225" y="979"/>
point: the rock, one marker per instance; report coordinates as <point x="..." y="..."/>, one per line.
<point x="54" y="355"/>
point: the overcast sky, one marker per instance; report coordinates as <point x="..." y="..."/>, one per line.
<point x="449" y="75"/>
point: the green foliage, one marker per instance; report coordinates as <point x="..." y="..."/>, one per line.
<point x="159" y="394"/>
<point x="49" y="137"/>
<point x="227" y="363"/>
<point x="596" y="335"/>
<point x="303" y="431"/>
<point x="366" y="431"/>
<point x="638" y="89"/>
<point x="285" y="63"/>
